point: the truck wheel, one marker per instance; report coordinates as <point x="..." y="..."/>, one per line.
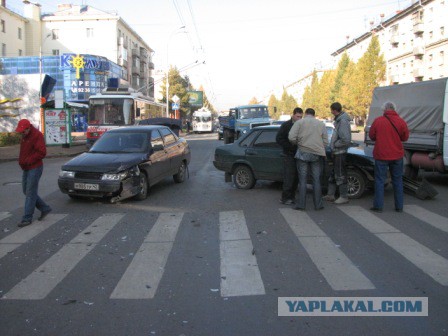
<point x="356" y="184"/>
<point x="243" y="177"/>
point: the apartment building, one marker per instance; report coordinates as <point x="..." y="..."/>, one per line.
<point x="78" y="30"/>
<point x="84" y="29"/>
<point x="12" y="32"/>
<point x="414" y="43"/>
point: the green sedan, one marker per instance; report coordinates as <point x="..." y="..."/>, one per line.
<point x="257" y="156"/>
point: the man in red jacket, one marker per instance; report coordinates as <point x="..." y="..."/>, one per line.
<point x="32" y="151"/>
<point x="388" y="132"/>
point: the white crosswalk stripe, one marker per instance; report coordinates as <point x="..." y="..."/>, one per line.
<point x="426" y="216"/>
<point x="239" y="271"/>
<point x="39" y="283"/>
<point x="142" y="277"/>
<point x="240" y="275"/>
<point x="335" y="266"/>
<point x="428" y="261"/>
<point x="4" y="215"/>
<point x="25" y="234"/>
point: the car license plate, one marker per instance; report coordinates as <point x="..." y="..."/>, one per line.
<point x="87" y="186"/>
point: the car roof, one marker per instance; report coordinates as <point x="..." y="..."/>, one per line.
<point x="131" y="129"/>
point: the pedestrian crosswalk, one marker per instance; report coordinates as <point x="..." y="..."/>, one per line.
<point x="240" y="274"/>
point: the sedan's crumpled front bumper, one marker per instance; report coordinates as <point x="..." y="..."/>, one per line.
<point x="98" y="188"/>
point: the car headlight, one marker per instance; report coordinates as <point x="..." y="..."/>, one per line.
<point x="115" y="177"/>
<point x="66" y="173"/>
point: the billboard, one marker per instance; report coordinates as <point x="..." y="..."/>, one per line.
<point x="196" y="98"/>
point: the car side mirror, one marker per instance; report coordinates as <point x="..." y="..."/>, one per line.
<point x="157" y="148"/>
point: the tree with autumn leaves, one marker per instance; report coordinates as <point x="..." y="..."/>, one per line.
<point x="180" y="86"/>
<point x="351" y="83"/>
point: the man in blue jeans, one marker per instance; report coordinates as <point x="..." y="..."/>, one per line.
<point x="311" y="138"/>
<point x="32" y="151"/>
<point x="388" y="132"/>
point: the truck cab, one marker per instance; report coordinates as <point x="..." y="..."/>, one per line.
<point x="243" y="118"/>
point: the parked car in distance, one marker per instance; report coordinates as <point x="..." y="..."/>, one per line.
<point x="125" y="162"/>
<point x="257" y="156"/>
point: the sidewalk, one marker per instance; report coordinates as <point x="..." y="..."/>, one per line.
<point x="78" y="146"/>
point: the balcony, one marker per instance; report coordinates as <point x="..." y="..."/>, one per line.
<point x="123" y="62"/>
<point x="135" y="53"/>
<point x="151" y="65"/>
<point x="394" y="39"/>
<point x="143" y="53"/>
<point x="136" y="71"/>
<point x="418" y="28"/>
<point x="418" y="72"/>
<point x="395" y="79"/>
<point x="418" y="50"/>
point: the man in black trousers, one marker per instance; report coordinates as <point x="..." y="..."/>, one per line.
<point x="290" y="177"/>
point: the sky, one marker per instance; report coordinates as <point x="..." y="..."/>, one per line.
<point x="251" y="48"/>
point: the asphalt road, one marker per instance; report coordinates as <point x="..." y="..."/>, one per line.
<point x="204" y="258"/>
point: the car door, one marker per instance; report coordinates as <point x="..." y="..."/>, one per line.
<point x="265" y="156"/>
<point x="173" y="149"/>
<point x="159" y="161"/>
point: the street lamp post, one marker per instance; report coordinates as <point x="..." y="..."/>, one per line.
<point x="168" y="69"/>
<point x="40" y="79"/>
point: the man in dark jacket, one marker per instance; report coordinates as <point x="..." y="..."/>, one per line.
<point x="290" y="178"/>
<point x="32" y="151"/>
<point x="388" y="132"/>
<point x="339" y="144"/>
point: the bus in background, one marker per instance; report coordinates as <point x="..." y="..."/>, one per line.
<point x="115" y="107"/>
<point x="202" y="121"/>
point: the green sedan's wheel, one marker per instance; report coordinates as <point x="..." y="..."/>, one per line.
<point x="243" y="177"/>
<point x="356" y="184"/>
<point x="143" y="193"/>
<point x="180" y="176"/>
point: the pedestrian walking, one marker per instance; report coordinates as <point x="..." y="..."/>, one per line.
<point x="339" y="144"/>
<point x="388" y="132"/>
<point x="290" y="177"/>
<point x="32" y="151"/>
<point x="310" y="136"/>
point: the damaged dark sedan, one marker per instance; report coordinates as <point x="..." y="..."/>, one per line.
<point x="125" y="162"/>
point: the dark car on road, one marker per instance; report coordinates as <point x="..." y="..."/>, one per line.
<point x="257" y="156"/>
<point x="125" y="162"/>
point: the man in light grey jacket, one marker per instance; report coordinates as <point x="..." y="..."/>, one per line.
<point x="310" y="136"/>
<point x="340" y="142"/>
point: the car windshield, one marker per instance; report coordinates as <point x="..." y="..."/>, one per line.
<point x="254" y="112"/>
<point x="121" y="142"/>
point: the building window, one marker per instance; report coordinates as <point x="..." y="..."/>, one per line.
<point x="3" y="49"/>
<point x="442" y="57"/>
<point x="19" y="33"/>
<point x="55" y="34"/>
<point x="442" y="31"/>
<point x="3" y="26"/>
<point x="55" y="52"/>
<point x="20" y="52"/>
<point x="89" y="32"/>
<point x="430" y="35"/>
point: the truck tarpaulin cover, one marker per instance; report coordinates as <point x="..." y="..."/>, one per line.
<point x="420" y="104"/>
